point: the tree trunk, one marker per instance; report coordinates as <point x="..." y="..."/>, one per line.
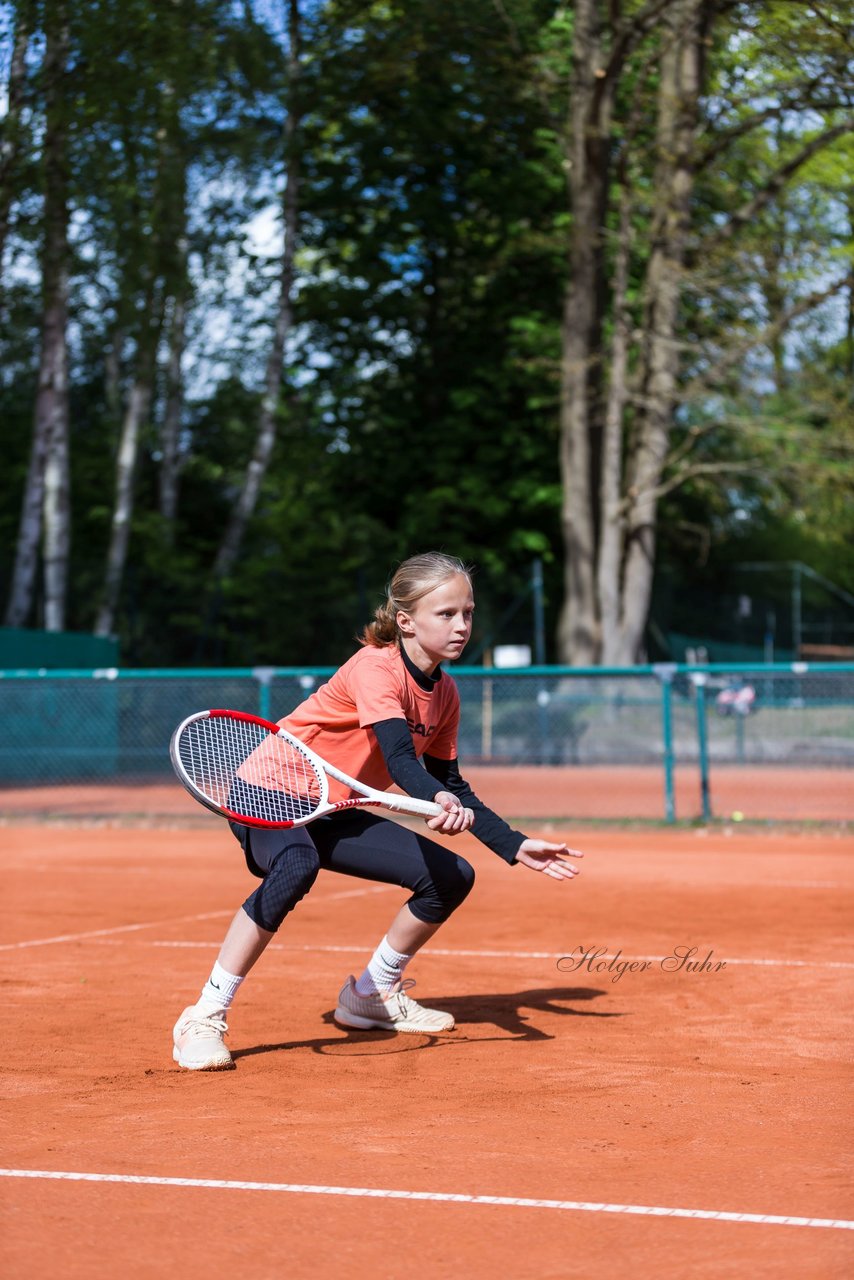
<point x="57" y="485"/>
<point x="775" y="262"/>
<point x="10" y="143"/>
<point x="20" y="600"/>
<point x="163" y="271"/>
<point x="611" y="538"/>
<point x="266" y="435"/>
<point x="177" y="290"/>
<point x="136" y="413"/>
<point x="113" y="355"/>
<point x="46" y="496"/>
<point x="678" y="105"/>
<point x="171" y="426"/>
<point x="580" y="432"/>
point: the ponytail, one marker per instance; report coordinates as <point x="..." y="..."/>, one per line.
<point x="383" y="630"/>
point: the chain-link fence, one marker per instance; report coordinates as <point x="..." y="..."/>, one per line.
<point x="790" y="715"/>
<point x="768" y="730"/>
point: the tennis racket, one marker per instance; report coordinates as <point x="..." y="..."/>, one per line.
<point x="256" y="773"/>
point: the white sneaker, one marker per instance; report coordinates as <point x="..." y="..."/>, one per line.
<point x="198" y="1041"/>
<point x="398" y="1012"/>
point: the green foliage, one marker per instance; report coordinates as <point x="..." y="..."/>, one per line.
<point x="420" y="399"/>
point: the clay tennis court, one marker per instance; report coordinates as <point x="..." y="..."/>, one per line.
<point x="580" y="1120"/>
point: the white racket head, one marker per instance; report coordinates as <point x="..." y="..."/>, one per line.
<point x="248" y="769"/>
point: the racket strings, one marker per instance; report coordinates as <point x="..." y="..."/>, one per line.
<point x="243" y="768"/>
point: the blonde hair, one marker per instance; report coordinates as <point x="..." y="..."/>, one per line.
<point x="412" y="580"/>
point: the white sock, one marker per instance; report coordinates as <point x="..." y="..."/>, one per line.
<point x="219" y="990"/>
<point x="384" y="970"/>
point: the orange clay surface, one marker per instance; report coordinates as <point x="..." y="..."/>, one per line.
<point x="567" y="793"/>
<point x="720" y="1091"/>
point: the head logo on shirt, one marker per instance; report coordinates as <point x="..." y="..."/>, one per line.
<point x="423" y="730"/>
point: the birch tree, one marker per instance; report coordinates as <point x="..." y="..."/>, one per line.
<point x="135" y="415"/>
<point x="153" y="285"/>
<point x="266" y="430"/>
<point x="45" y="511"/>
<point x="13" y="135"/>
<point x="176" y="337"/>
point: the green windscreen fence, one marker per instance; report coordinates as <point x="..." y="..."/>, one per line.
<point x="27" y="649"/>
<point x="793" y="722"/>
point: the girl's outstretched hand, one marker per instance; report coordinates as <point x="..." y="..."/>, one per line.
<point x="551" y="859"/>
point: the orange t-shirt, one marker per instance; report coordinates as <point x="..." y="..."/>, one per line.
<point x="371" y="686"/>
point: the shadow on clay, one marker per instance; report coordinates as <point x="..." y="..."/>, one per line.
<point x="513" y="1015"/>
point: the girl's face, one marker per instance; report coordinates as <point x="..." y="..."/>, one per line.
<point x="439" y="626"/>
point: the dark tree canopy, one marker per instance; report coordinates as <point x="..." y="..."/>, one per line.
<point x="523" y="281"/>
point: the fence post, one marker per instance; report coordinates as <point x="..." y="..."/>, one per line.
<point x="665" y="672"/>
<point x="698" y="679"/>
<point x="264" y="676"/>
<point x="486" y="710"/>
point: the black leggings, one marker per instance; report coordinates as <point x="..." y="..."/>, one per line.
<point x="355" y="844"/>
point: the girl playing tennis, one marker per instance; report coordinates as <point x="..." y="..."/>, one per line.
<point x="388" y="715"/>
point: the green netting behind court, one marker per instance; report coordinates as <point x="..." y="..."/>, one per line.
<point x="29" y="649"/>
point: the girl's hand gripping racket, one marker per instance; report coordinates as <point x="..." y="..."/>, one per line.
<point x="255" y="773"/>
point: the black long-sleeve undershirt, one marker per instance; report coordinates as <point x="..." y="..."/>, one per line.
<point x="435" y="775"/>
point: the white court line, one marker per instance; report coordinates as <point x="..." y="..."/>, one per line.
<point x="157" y="924"/>
<point x="103" y="933"/>
<point x="536" y="955"/>
<point x="378" y="1193"/>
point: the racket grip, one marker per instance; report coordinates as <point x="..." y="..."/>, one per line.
<point x="408" y="804"/>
